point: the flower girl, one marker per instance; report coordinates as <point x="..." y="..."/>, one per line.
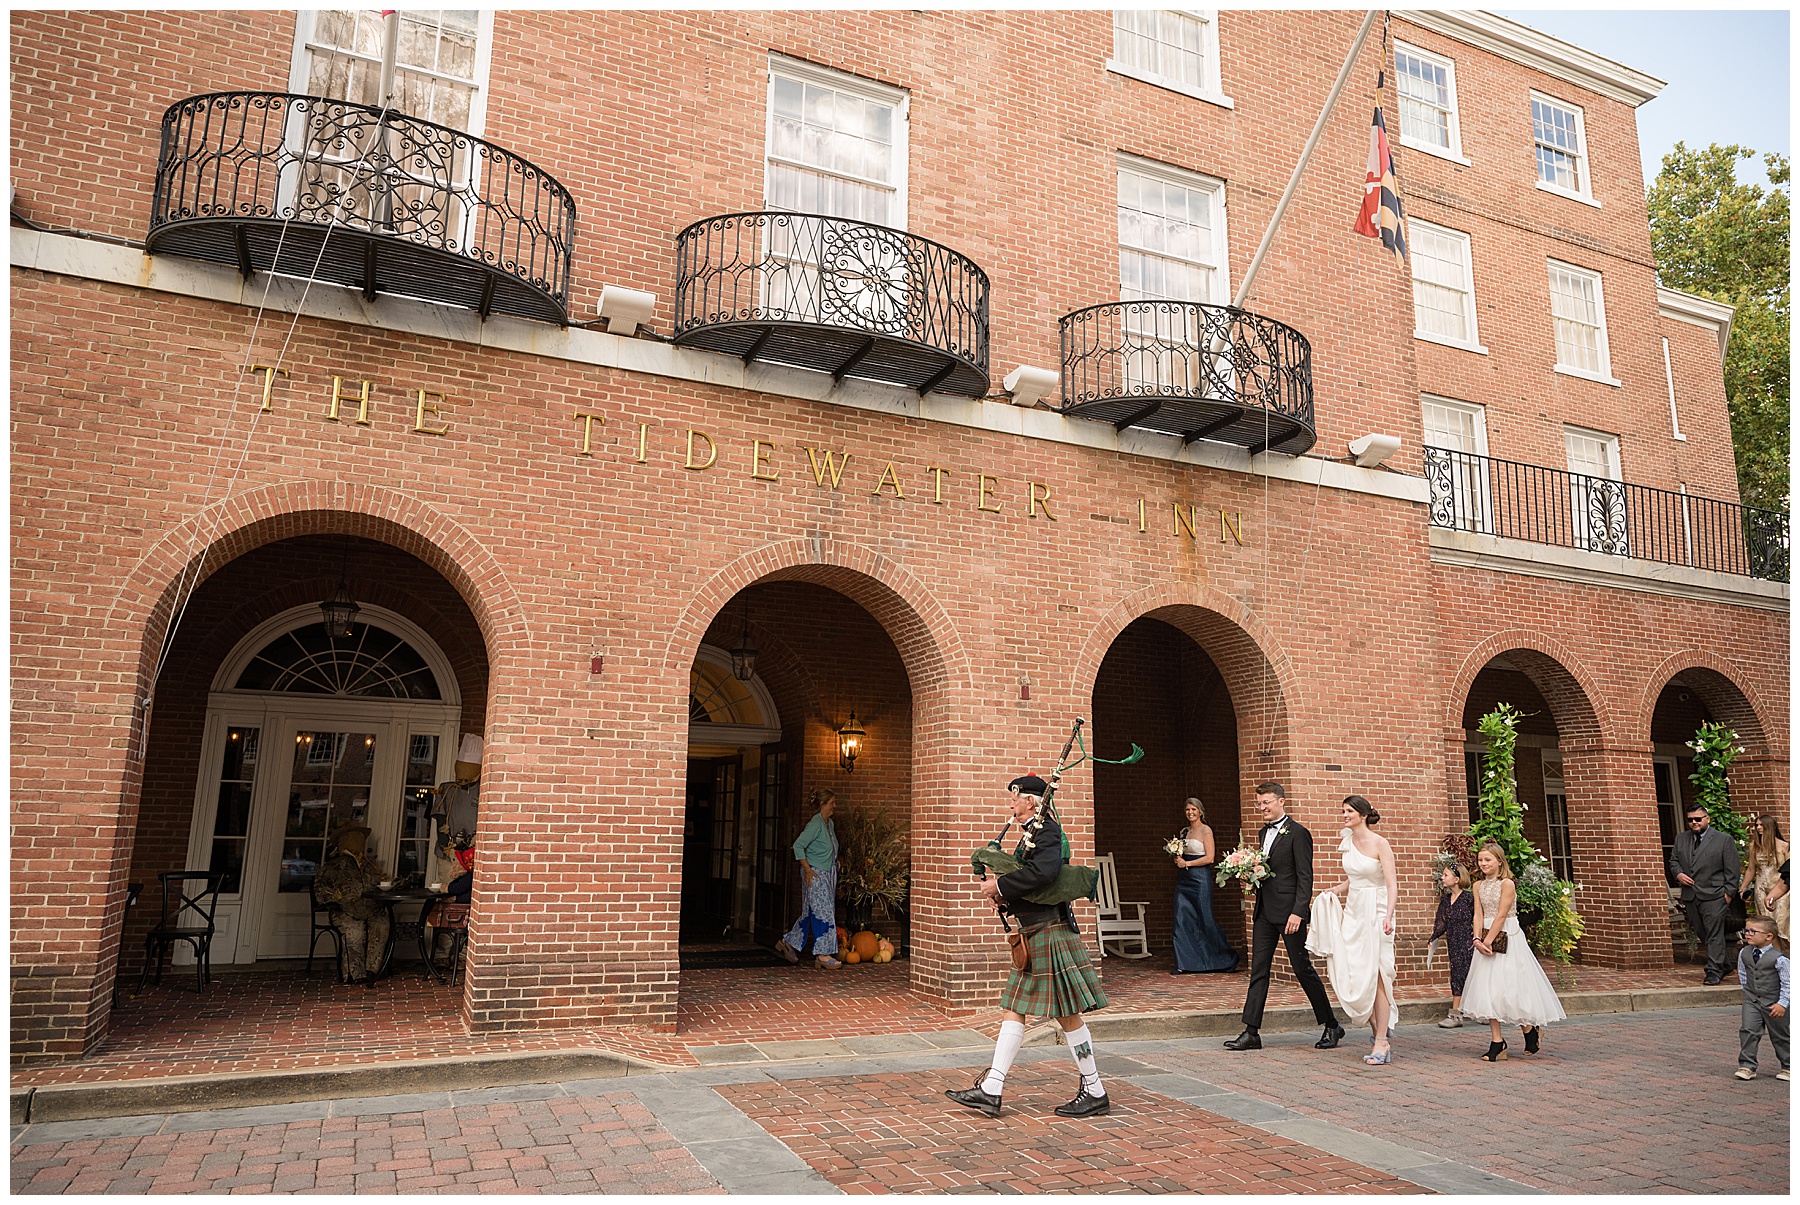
<point x="1505" y="984"/>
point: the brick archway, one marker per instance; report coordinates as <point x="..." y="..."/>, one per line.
<point x="1723" y="686"/>
<point x="1576" y="701"/>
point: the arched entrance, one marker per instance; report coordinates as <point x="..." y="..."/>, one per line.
<point x="1198" y="694"/>
<point x="269" y="732"/>
<point x="760" y="747"/>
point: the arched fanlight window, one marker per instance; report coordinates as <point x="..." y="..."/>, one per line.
<point x="371" y="662"/>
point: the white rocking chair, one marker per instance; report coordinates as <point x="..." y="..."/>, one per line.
<point x="1114" y="926"/>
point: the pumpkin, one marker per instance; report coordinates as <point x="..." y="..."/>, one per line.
<point x="884" y="946"/>
<point x="864" y="945"/>
<point x="852" y="956"/>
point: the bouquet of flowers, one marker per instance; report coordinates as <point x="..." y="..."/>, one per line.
<point x="1173" y="847"/>
<point x="1246" y="864"/>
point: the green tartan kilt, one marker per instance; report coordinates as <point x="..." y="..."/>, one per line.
<point x="1061" y="981"/>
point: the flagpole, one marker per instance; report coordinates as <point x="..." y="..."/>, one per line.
<point x="1293" y="184"/>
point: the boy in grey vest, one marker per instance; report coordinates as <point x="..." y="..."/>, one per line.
<point x="1763" y="974"/>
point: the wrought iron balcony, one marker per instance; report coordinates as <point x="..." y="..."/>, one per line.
<point x="1551" y="506"/>
<point x="1198" y="371"/>
<point x="342" y="192"/>
<point x="844" y="297"/>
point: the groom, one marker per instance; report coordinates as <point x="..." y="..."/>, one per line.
<point x="1282" y="904"/>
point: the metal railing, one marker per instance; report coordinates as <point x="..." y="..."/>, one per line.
<point x="1187" y="350"/>
<point x="1552" y="506"/>
<point x="775" y="269"/>
<point x="308" y="161"/>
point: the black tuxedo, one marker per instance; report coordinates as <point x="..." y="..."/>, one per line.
<point x="1286" y="893"/>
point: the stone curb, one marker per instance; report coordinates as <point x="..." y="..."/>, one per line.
<point x="186" y="1094"/>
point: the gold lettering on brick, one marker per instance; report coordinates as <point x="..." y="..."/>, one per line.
<point x="832" y="467"/>
<point x="423" y="408"/>
<point x="268" y="371"/>
<point x="712" y="451"/>
<point x="337" y="399"/>
<point x="587" y="430"/>
<point x="1035" y="500"/>
<point x="888" y="475"/>
<point x="937" y="483"/>
<point x="643" y="442"/>
<point x="1231" y="523"/>
<point x="759" y="460"/>
<point x="984" y="491"/>
<point x="1188" y="520"/>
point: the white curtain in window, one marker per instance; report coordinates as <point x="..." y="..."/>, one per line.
<point x="1169" y="45"/>
<point x="1424" y="99"/>
<point x="1441" y="286"/>
<point x="1575" y="306"/>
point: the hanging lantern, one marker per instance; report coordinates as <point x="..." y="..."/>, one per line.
<point x="743" y="657"/>
<point x="340" y="610"/>
<point x="850" y="744"/>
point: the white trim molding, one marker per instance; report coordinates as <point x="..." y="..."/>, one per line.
<point x="1472" y="550"/>
<point x="1541" y="52"/>
<point x="1715" y="316"/>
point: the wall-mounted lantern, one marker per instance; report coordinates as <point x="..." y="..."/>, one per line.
<point x="850" y="744"/>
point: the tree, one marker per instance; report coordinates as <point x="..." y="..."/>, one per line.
<point x="1728" y="241"/>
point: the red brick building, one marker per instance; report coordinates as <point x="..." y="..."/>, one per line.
<point x="558" y="528"/>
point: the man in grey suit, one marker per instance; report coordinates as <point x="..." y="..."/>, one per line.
<point x="1705" y="863"/>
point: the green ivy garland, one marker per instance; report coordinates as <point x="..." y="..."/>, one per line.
<point x="1715" y="748"/>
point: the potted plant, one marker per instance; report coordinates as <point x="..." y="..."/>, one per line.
<point x="874" y="861"/>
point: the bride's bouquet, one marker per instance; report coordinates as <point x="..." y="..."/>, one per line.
<point x="1246" y="864"/>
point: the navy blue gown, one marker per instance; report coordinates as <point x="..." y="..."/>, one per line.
<point x="1200" y="944"/>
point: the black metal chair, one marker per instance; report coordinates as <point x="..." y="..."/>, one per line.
<point x="133" y="891"/>
<point x="322" y="926"/>
<point x="187" y="918"/>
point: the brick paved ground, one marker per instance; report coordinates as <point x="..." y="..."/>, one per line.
<point x="1620" y="1103"/>
<point x="896" y="1133"/>
<point x="268" y="1020"/>
<point x="607" y="1143"/>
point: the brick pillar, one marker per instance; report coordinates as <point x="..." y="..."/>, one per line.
<point x="1617" y="852"/>
<point x="1759" y="783"/>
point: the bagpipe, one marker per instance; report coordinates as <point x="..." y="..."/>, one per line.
<point x="1072" y="882"/>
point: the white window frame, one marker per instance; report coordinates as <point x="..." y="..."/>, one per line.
<point x="1183" y="178"/>
<point x="1468" y="481"/>
<point x="1454" y="151"/>
<point x="299" y="67"/>
<point x="1584" y="191"/>
<point x="856" y="85"/>
<point x="1561" y="852"/>
<point x="1178" y="350"/>
<point x="1473" y="343"/>
<point x="1612" y="470"/>
<point x="1604" y="376"/>
<point x="1209" y="20"/>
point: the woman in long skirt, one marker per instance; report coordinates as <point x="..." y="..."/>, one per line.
<point x="1200" y="945"/>
<point x="1506" y="985"/>
<point x="816" y="848"/>
<point x="1058" y="980"/>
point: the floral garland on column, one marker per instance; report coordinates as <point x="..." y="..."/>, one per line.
<point x="1715" y="748"/>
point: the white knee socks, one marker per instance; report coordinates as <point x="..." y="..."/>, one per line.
<point x="1006" y="1048"/>
<point x="1081" y="1045"/>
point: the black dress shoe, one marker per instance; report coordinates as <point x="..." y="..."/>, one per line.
<point x="975" y="1098"/>
<point x="1712" y="981"/>
<point x="1085" y="1106"/>
<point x="1330" y="1038"/>
<point x="1248" y="1040"/>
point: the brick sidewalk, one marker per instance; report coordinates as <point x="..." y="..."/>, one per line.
<point x="897" y="1133"/>
<point x="607" y="1143"/>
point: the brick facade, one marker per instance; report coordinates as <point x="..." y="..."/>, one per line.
<point x="1328" y="649"/>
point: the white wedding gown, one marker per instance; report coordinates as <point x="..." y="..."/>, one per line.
<point x="1510" y="987"/>
<point x="1348" y="936"/>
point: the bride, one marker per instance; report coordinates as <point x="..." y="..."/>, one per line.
<point x="1356" y="937"/>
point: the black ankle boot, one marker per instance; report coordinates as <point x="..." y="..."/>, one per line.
<point x="1496" y="1052"/>
<point x="1531" y="1039"/>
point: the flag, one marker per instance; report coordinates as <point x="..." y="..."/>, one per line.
<point x="1380" y="216"/>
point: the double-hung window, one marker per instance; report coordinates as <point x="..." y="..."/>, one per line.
<point x="403" y="178"/>
<point x="1578" y="311"/>
<point x="1459" y="430"/>
<point x="1596" y="494"/>
<point x="836" y="148"/>
<point x="1560" y="143"/>
<point x="1427" y="87"/>
<point x="1443" y="286"/>
<point x="1176" y="49"/>
<point x="1171" y="249"/>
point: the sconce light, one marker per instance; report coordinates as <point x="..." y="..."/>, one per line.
<point x="1027" y="384"/>
<point x="626" y="309"/>
<point x="340" y="609"/>
<point x="850" y="739"/>
<point x="1371" y="450"/>
<point x="743" y="657"/>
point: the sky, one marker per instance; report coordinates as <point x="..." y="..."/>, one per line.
<point x="1727" y="73"/>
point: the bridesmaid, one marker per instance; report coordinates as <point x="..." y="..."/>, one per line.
<point x="1200" y="945"/>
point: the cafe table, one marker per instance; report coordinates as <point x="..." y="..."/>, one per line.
<point x="399" y="902"/>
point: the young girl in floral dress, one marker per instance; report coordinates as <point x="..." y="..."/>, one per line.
<point x="1456" y="925"/>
